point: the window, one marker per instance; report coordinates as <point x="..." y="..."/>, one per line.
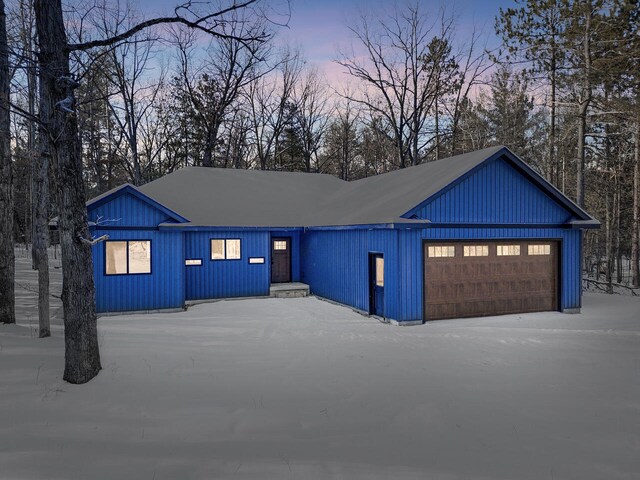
<point x="446" y="251"/>
<point x="193" y="261"/>
<point x="225" y="249"/>
<point x="539" y="249"/>
<point x="379" y="271"/>
<point x="128" y="257"/>
<point x="476" y="251"/>
<point x="279" y="244"/>
<point x="508" y="250"/>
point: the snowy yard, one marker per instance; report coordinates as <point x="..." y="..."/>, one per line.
<point x="300" y="388"/>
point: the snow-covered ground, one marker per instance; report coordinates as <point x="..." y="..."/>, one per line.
<point x="27" y="286"/>
<point x="303" y="389"/>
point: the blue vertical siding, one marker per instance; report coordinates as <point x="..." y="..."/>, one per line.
<point x="162" y="288"/>
<point x="497" y="198"/>
<point x="335" y="264"/>
<point x="496" y="193"/>
<point x="227" y="278"/>
<point x="127" y="211"/>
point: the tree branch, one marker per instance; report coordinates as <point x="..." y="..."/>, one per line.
<point x="199" y="24"/>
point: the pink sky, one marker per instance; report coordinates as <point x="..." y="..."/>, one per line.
<point x="319" y="27"/>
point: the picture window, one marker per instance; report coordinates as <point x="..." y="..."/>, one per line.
<point x="225" y="249"/>
<point x="128" y="257"/>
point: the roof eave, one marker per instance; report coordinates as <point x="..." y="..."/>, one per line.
<point x="136" y="192"/>
<point x="591" y="224"/>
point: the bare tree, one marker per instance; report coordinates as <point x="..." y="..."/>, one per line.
<point x="59" y="122"/>
<point x="312" y="114"/>
<point x="7" y="262"/>
<point x="401" y="73"/>
<point x="341" y="141"/>
<point x="212" y="87"/>
<point x="635" y="226"/>
<point x="269" y="99"/>
<point x="473" y="63"/>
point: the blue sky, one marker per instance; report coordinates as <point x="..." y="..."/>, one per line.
<point x="320" y="26"/>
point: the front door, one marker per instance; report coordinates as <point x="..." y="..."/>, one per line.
<point x="280" y="260"/>
<point x="376" y="284"/>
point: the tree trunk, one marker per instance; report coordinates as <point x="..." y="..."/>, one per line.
<point x="552" y="168"/>
<point x="7" y="255"/>
<point x="635" y="229"/>
<point x="40" y="255"/>
<point x="207" y="157"/>
<point x="40" y="195"/>
<point x="580" y="162"/>
<point x="437" y="125"/>
<point x="618" y="251"/>
<point x="82" y="357"/>
<point x="608" y="246"/>
<point x="583" y="107"/>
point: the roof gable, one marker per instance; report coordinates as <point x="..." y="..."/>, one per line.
<point x="500" y="190"/>
<point x="126" y="206"/>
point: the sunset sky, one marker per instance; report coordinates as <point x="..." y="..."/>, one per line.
<point x="319" y="27"/>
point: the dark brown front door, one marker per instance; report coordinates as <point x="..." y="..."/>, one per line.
<point x="476" y="278"/>
<point x="280" y="260"/>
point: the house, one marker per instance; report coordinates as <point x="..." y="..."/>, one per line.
<point x="476" y="234"/>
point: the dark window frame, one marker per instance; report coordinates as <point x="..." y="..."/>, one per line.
<point x="127" y="240"/>
<point x="225" y="240"/>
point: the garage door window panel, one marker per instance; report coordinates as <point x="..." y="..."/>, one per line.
<point x="539" y="249"/>
<point x="442" y="251"/>
<point x="508" y="250"/>
<point x="476" y="250"/>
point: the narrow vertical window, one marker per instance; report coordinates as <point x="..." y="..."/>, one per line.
<point x="380" y="271"/>
<point x="140" y="257"/>
<point x="233" y="249"/>
<point x="116" y="258"/>
<point x="217" y="249"/>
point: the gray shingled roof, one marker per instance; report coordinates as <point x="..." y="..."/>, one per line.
<point x="384" y="198"/>
<point x="229" y="197"/>
<point x="255" y="198"/>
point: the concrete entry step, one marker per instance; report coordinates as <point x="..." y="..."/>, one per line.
<point x="288" y="290"/>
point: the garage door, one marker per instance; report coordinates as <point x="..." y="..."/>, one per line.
<point x="470" y="279"/>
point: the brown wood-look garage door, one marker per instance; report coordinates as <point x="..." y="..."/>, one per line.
<point x="471" y="279"/>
